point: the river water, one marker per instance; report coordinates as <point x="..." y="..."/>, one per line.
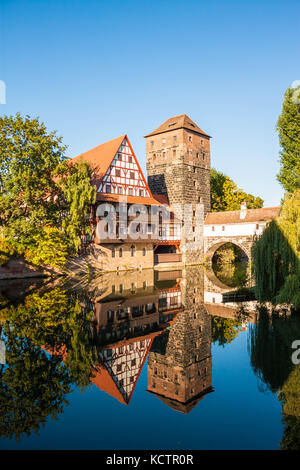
<point x="145" y="360"/>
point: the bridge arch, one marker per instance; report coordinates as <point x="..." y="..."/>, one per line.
<point x="211" y="248"/>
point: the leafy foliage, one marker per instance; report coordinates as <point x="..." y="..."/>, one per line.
<point x="276" y="256"/>
<point x="32" y="387"/>
<point x="226" y="196"/>
<point x="288" y="127"/>
<point x="79" y="194"/>
<point x="44" y="199"/>
<point x="225" y="330"/>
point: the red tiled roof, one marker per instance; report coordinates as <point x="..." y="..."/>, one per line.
<point x="233" y="217"/>
<point x="105" y="197"/>
<point x="105" y="382"/>
<point x="101" y="156"/>
<point x="178" y="122"/>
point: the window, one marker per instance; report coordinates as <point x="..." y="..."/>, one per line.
<point x="130" y="191"/>
<point x="144" y="251"/>
<point x="195" y="182"/>
<point x="203" y="156"/>
<point x="113" y="289"/>
<point x="119" y="367"/>
<point x="108" y="188"/>
<point x="257" y="226"/>
<point x="197" y="155"/>
<point x="194" y="169"/>
<point x="175" y="138"/>
<point x="132" y="249"/>
<point x="193" y="229"/>
<point x="202" y="143"/>
<point x="130" y="159"/>
<point x="152" y="143"/>
<point x="144" y="285"/>
<point x="110" y="315"/>
<point x="118" y="172"/>
<point x="163" y="141"/>
<point x="132" y="175"/>
<point x="174" y="153"/>
<point x="154" y="156"/>
<point x="223" y="228"/>
<point x="133" y="362"/>
<point x="113" y="253"/>
<point x="141" y="193"/>
<point x="213" y="229"/>
<point x="149" y="228"/>
<point x="190" y="138"/>
<point x="119" y="157"/>
<point x="120" y="252"/>
<point x="132" y="287"/>
<point x="164" y="154"/>
<point x="119" y="190"/>
<point x="121" y="288"/>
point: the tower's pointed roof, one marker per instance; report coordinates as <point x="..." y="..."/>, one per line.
<point x="178" y="122"/>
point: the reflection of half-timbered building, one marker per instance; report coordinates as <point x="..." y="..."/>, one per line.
<point x="129" y="222"/>
<point x="128" y="315"/>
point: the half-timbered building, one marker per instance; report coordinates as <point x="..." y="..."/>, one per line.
<point x="129" y="223"/>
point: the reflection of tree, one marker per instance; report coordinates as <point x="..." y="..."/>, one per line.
<point x="228" y="265"/>
<point x="32" y="386"/>
<point x="270" y="351"/>
<point x="270" y="343"/>
<point x="56" y="321"/>
<point x="225" y="330"/>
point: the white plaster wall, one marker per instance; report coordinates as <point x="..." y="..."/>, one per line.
<point x="234" y="230"/>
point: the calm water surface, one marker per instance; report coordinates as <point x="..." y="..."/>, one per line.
<point x="144" y="361"/>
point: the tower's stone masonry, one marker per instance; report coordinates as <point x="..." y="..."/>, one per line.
<point x="178" y="166"/>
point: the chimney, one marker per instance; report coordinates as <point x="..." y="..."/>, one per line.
<point x="243" y="211"/>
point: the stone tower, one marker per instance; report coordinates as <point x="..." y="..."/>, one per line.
<point x="178" y="166"/>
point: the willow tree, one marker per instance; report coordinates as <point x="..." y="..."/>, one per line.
<point x="288" y="127"/>
<point x="276" y="256"/>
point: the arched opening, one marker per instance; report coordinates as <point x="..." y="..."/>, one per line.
<point x="229" y="263"/>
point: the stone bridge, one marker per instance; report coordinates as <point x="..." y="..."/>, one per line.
<point x="211" y="245"/>
<point x="241" y="228"/>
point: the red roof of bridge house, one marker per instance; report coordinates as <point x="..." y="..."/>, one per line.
<point x="233" y="217"/>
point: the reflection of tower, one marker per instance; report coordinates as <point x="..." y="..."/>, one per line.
<point x="180" y="363"/>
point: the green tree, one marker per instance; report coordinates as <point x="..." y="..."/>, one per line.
<point x="79" y="194"/>
<point x="41" y="193"/>
<point x="288" y="127"/>
<point x="226" y="196"/>
<point x="276" y="254"/>
<point x="29" y="156"/>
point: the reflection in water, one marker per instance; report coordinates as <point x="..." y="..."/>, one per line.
<point x="56" y="337"/>
<point x="179" y="363"/>
<point x="270" y="343"/>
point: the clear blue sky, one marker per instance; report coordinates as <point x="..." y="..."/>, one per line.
<point x="95" y="69"/>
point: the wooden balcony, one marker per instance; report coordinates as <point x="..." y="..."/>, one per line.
<point x="167" y="258"/>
